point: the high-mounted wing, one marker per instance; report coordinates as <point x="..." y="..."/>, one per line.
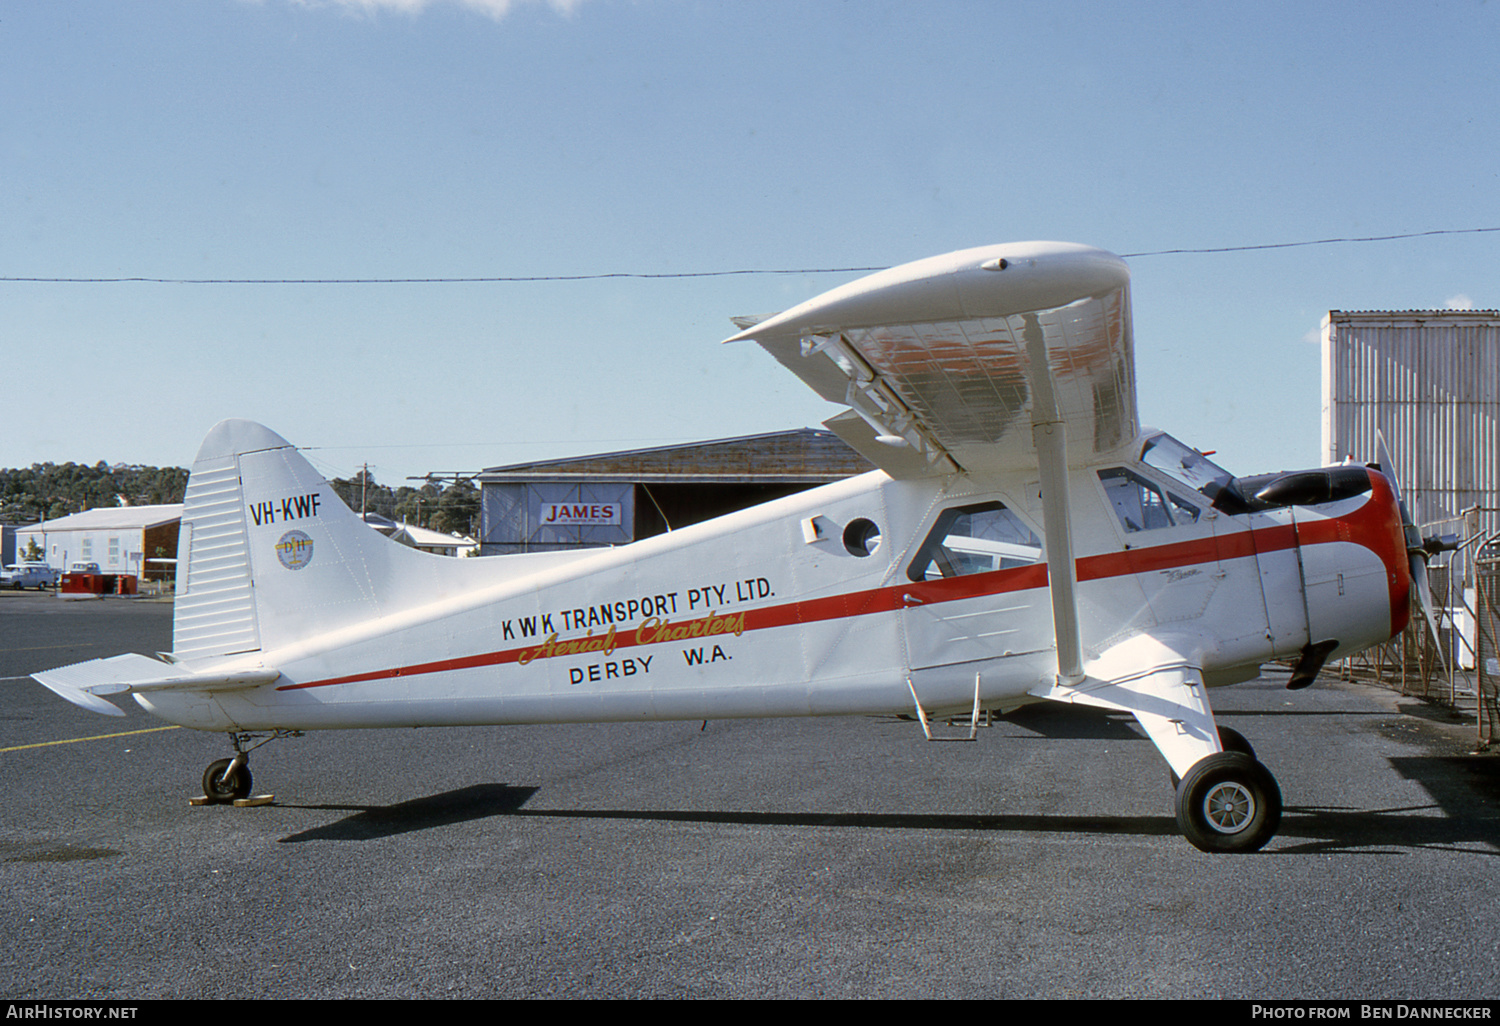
<point x="948" y="364"/>
<point x="1014" y="357"/>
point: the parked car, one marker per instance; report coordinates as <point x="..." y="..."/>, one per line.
<point x="28" y="575"/>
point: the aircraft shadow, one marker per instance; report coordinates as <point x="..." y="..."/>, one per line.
<point x="1382" y="831"/>
<point x="1043" y="720"/>
<point x="374" y="821"/>
<point x="1060" y="722"/>
<point x="488" y="800"/>
<point x="1454" y="821"/>
<point x="1316" y="830"/>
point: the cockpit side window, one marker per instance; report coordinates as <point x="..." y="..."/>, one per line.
<point x="974" y="539"/>
<point x="1141" y="505"/>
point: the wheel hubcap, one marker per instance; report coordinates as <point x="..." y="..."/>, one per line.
<point x="1228" y="807"/>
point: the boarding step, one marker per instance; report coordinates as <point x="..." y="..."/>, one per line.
<point x="977" y="718"/>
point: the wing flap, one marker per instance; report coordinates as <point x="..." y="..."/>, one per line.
<point x="84" y="683"/>
<point x="958" y="356"/>
<point x="898" y="460"/>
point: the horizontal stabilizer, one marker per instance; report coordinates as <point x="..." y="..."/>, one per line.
<point x="83" y="683"/>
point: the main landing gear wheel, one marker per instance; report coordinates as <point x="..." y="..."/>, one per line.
<point x="1228" y="802"/>
<point x="220" y="785"/>
<point x="1230" y="740"/>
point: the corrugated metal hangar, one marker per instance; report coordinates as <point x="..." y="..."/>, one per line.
<point x="619" y="497"/>
<point x="1429" y="381"/>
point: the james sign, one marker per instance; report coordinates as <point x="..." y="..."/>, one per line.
<point x="578" y="513"/>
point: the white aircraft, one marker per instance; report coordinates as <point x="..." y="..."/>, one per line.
<point x="1023" y="539"/>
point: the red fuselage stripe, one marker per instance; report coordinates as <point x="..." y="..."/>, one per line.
<point x="1369" y="526"/>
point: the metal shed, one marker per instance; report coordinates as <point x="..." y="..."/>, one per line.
<point x="619" y="497"/>
<point x="1429" y="380"/>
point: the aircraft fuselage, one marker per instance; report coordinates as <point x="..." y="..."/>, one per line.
<point x="778" y="611"/>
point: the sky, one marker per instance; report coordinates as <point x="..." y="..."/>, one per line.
<point x="294" y="140"/>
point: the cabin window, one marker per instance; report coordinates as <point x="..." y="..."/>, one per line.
<point x="1141" y="505"/>
<point x="1183" y="512"/>
<point x="861" y="537"/>
<point x="974" y="540"/>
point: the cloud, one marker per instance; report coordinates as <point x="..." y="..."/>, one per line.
<point x="1458" y="302"/>
<point x="495" y="9"/>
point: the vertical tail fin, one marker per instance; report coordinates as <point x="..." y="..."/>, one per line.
<point x="215" y="608"/>
<point x="269" y="554"/>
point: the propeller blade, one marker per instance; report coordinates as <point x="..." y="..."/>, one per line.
<point x="1388" y="465"/>
<point x="1417" y="550"/>
<point x="1383" y="458"/>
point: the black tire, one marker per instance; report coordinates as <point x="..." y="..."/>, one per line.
<point x="218" y="788"/>
<point x="1228" y="802"/>
<point x="1232" y="740"/>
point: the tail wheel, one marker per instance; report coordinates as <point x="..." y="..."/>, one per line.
<point x="222" y="786"/>
<point x="1228" y="802"/>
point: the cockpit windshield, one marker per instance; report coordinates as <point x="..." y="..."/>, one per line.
<point x="1185" y="464"/>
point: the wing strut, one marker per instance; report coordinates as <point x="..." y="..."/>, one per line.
<point x="1049" y="435"/>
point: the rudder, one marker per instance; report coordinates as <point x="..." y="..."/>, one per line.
<point x="268" y="552"/>
<point x="214" y="613"/>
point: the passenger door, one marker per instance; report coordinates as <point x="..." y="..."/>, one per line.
<point x="977" y="588"/>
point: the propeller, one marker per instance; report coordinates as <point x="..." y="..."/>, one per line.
<point x="1419" y="550"/>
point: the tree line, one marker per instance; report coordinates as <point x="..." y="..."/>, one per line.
<point x="47" y="491"/>
<point x="446" y="510"/>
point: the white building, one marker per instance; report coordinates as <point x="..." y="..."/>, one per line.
<point x="434" y="541"/>
<point x="137" y="540"/>
<point x="421" y="538"/>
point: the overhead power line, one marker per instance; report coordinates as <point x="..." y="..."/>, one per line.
<point x="440" y="281"/>
<point x="522" y="279"/>
<point x="1315" y="242"/>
